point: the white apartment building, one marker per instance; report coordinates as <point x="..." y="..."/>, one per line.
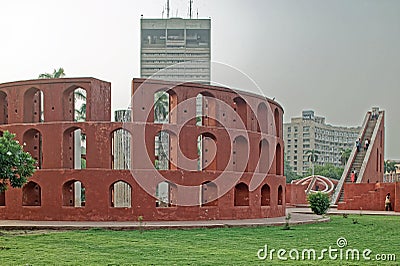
<point x="310" y="132"/>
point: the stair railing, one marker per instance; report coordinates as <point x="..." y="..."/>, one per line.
<point x="350" y="161"/>
<point x="369" y="151"/>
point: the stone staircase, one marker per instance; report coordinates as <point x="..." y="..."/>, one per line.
<point x="359" y="156"/>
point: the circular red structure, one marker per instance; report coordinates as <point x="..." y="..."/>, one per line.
<point x="209" y="153"/>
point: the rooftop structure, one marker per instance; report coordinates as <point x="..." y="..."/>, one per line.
<point x="176" y="49"/>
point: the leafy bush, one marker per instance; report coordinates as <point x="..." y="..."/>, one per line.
<point x="16" y="166"/>
<point x="319" y="202"/>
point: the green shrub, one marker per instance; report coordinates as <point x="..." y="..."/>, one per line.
<point x="286" y="226"/>
<point x="16" y="165"/>
<point x="319" y="202"/>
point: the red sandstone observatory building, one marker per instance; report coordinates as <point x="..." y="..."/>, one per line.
<point x="183" y="152"/>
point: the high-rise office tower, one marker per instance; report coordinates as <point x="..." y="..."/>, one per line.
<point x="176" y="49"/>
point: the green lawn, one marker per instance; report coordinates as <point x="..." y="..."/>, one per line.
<point x="223" y="246"/>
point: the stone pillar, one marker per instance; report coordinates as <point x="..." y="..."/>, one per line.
<point x="78" y="194"/>
<point x="77" y="149"/>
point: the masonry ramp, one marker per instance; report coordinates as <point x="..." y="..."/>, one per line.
<point x="358" y="160"/>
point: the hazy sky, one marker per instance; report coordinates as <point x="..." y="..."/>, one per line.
<point x="336" y="57"/>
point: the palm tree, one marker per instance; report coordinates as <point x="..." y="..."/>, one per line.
<point x="345" y="155"/>
<point x="161" y="107"/>
<point x="312" y="156"/>
<point x="79" y="94"/>
<point x="80" y="113"/>
<point x="55" y="75"/>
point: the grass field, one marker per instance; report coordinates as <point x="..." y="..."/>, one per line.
<point x="223" y="246"/>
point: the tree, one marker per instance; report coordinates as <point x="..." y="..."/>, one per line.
<point x="389" y="166"/>
<point x="161" y="107"/>
<point x="327" y="170"/>
<point x="161" y="111"/>
<point x="16" y="166"/>
<point x="319" y="202"/>
<point x="79" y="94"/>
<point x="345" y="155"/>
<point x="289" y="173"/>
<point x="312" y="156"/>
<point x="80" y="113"/>
<point x="55" y="75"/>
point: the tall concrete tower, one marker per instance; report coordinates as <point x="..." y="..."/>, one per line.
<point x="176" y="49"/>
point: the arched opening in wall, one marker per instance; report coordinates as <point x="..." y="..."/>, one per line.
<point x="205" y="109"/>
<point x="80" y="99"/>
<point x="166" y="194"/>
<point x="240" y="106"/>
<point x="3" y="198"/>
<point x="31" y="194"/>
<point x="280" y="195"/>
<point x="161" y="150"/>
<point x="74" y="194"/>
<point x="3" y="108"/>
<point x="121" y="143"/>
<point x="207" y="152"/>
<point x="33" y="144"/>
<point x="33" y="106"/>
<point x="161" y="107"/>
<point x="277" y="122"/>
<point x="121" y="195"/>
<point x="278" y="157"/>
<point x="74" y="148"/>
<point x="74" y="104"/>
<point x="262" y="118"/>
<point x="240" y="154"/>
<point x="209" y="194"/>
<point x="241" y="195"/>
<point x="265" y="195"/>
<point x="264" y="161"/>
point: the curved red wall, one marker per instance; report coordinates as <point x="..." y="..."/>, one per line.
<point x="237" y="138"/>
